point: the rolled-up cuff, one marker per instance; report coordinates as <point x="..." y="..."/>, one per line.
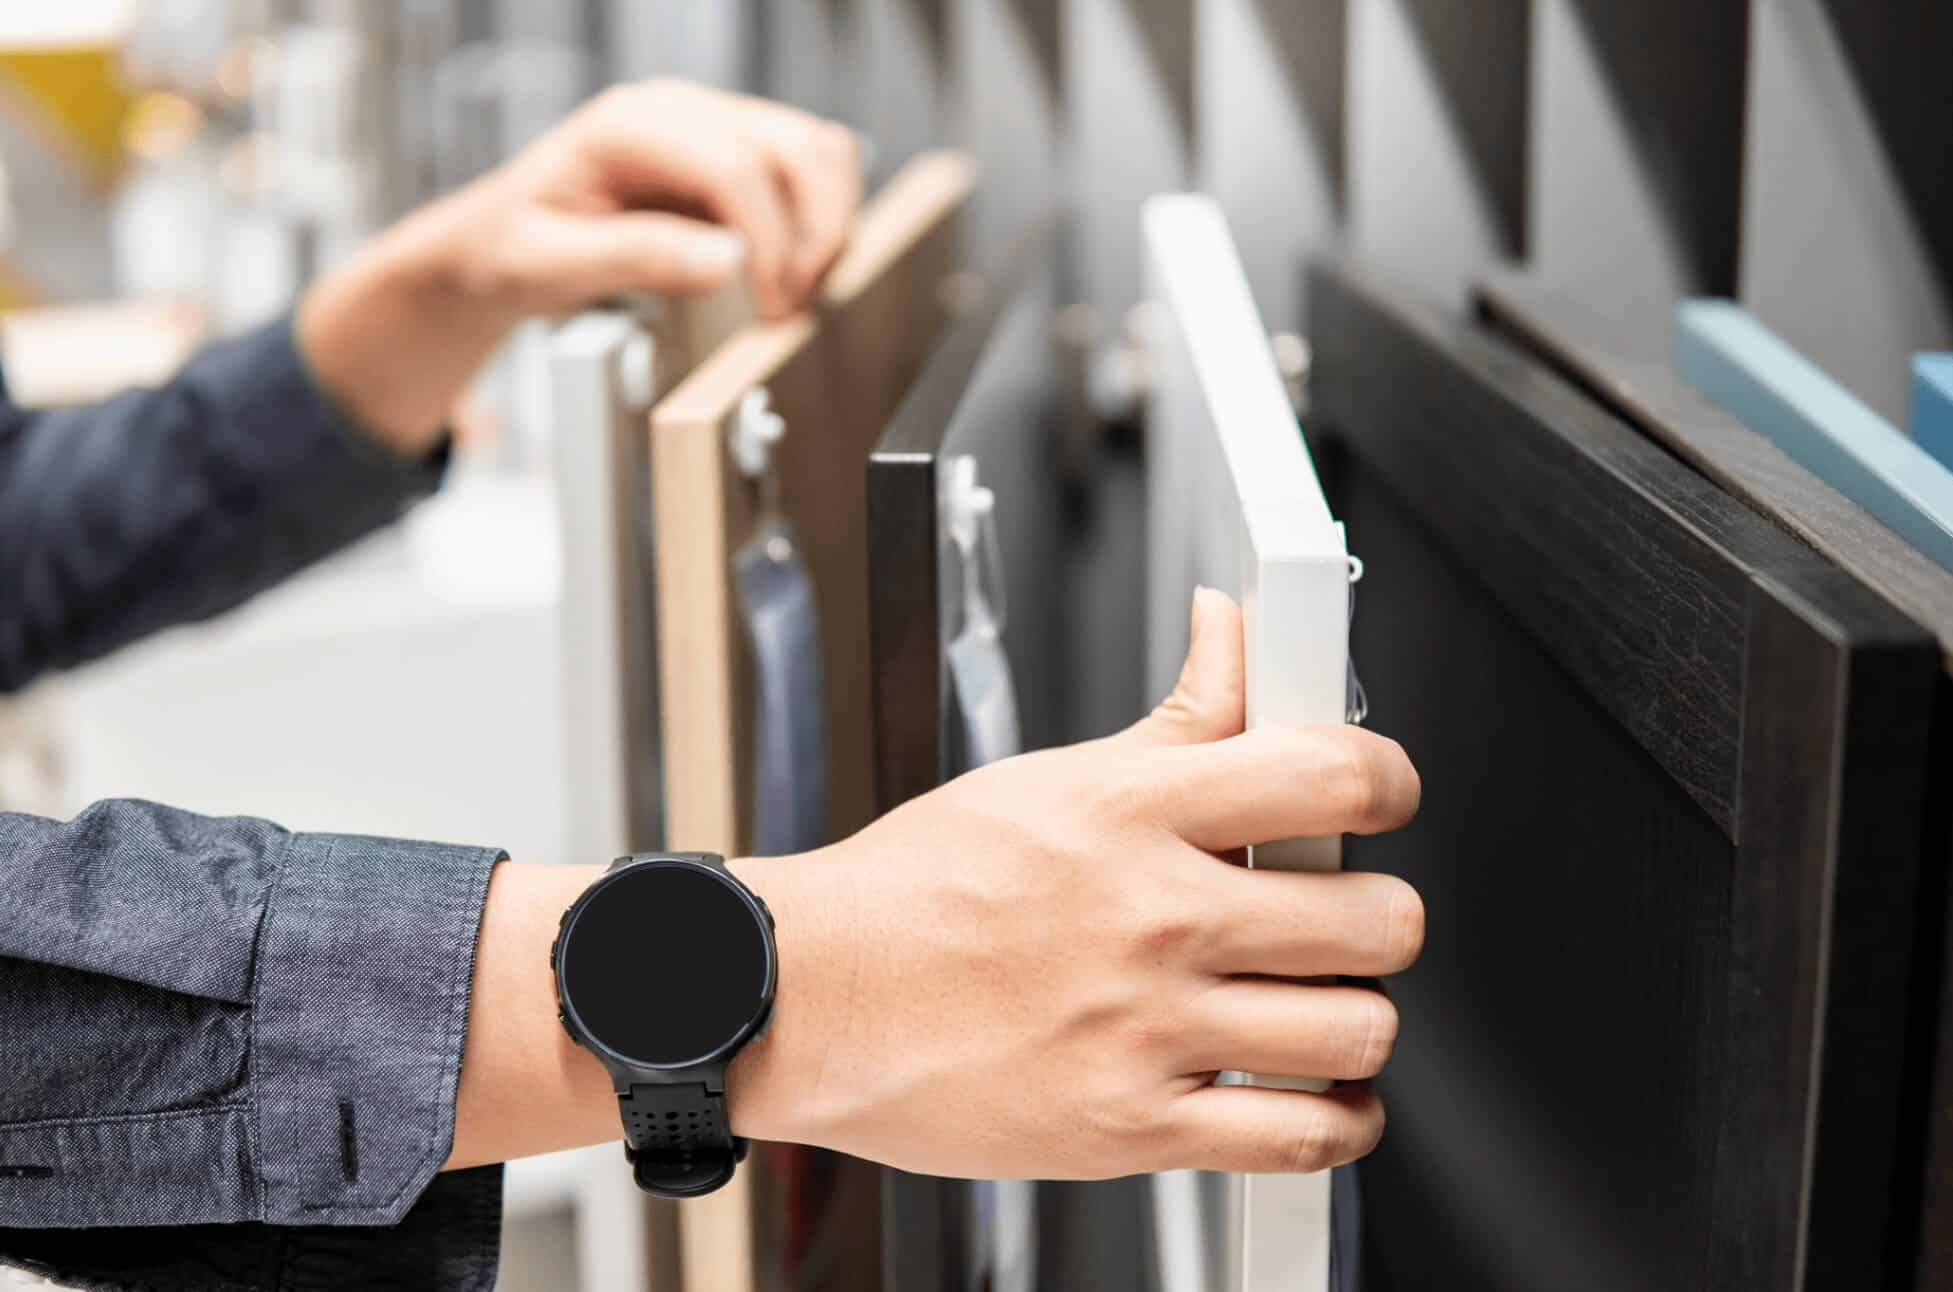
<point x="364" y="970"/>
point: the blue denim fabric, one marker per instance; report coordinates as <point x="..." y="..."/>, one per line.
<point x="228" y="1053"/>
<point x="167" y="505"/>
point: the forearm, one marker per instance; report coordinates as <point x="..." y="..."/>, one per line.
<point x="525" y="1088"/>
<point x="172" y="504"/>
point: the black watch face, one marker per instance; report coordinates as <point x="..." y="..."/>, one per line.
<point x="666" y="964"/>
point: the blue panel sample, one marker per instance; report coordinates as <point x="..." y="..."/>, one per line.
<point x="1932" y="405"/>
<point x="1750" y="371"/>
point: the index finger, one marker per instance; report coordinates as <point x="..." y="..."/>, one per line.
<point x="818" y="164"/>
<point x="1283" y="783"/>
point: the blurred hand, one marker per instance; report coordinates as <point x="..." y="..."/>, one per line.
<point x="661" y="186"/>
<point x="666" y="187"/>
<point x="1037" y="970"/>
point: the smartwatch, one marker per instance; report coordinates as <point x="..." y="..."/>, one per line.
<point x="665" y="968"/>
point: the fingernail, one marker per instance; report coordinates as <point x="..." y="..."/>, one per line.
<point x="1200" y="598"/>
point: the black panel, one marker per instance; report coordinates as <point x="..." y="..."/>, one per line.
<point x="1480" y="55"/>
<point x="1902" y="53"/>
<point x="1676" y="786"/>
<point x="1680" y="71"/>
<point x="990" y="389"/>
<point x="1562" y="867"/>
<point x="1645" y="390"/>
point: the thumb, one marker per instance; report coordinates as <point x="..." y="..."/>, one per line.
<point x="1209" y="701"/>
<point x="653" y="251"/>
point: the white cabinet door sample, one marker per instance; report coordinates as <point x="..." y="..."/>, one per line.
<point x="1236" y="505"/>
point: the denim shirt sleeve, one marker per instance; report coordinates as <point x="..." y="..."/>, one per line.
<point x="213" y="1022"/>
<point x="172" y="504"/>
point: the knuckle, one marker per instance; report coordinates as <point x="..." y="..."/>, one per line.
<point x="836" y="141"/>
<point x="1163" y="927"/>
<point x="1121" y="799"/>
<point x="1122" y="1117"/>
<point x="739" y="170"/>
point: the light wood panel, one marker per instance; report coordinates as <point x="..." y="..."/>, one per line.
<point x="835" y="376"/>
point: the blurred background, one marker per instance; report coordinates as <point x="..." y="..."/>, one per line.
<point x="175" y="170"/>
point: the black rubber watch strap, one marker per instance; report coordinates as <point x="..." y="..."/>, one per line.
<point x="677" y="1138"/>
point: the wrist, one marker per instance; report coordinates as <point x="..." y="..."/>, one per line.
<point x="782" y="1086"/>
<point x="394" y="335"/>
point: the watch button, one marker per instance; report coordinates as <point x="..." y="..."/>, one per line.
<point x="553" y="944"/>
<point x="562" y="1016"/>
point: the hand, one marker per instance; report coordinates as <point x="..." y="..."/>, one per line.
<point x="661" y="186"/>
<point x="1037" y="970"/>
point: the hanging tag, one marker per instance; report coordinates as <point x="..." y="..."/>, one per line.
<point x="980" y="676"/>
<point x="1003" y="1213"/>
<point x="782" y="621"/>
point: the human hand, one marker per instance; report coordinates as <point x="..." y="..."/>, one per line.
<point x="1037" y="970"/>
<point x="660" y="186"/>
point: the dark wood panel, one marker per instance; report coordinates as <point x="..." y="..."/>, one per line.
<point x="1679" y="70"/>
<point x="1481" y="55"/>
<point x="1833" y="795"/>
<point x="1931" y="1086"/>
<point x="1645" y="390"/>
<point x="1640" y="384"/>
<point x="1901" y="52"/>
<point x="1591" y="538"/>
<point x="1552" y="1061"/>
<point x="1674" y="1026"/>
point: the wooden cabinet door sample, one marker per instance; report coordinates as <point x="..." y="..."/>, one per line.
<point x="1674" y="765"/>
<point x="1235" y="503"/>
<point x="835" y="375"/>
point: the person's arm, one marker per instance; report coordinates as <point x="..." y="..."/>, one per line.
<point x="661" y="186"/>
<point x="241" y="1050"/>
<point x="269" y="451"/>
<point x="231" y="1053"/>
<point x="1034" y="972"/>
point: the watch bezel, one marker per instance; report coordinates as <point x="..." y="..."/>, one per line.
<point x="619" y="1062"/>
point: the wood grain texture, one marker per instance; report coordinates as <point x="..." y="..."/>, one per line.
<point x="1732" y="358"/>
<point x="834" y="375"/>
<point x="1622" y="591"/>
<point x="1644" y="389"/>
<point x="1672" y="999"/>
